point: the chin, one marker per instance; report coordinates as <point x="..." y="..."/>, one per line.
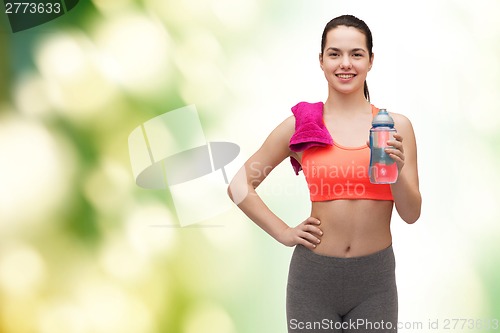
<point x="345" y="91"/>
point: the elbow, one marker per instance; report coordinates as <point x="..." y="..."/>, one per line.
<point x="229" y="193"/>
<point x="237" y="192"/>
<point x="410" y="219"/>
<point x="235" y="185"/>
<point x="414" y="214"/>
<point x="238" y="188"/>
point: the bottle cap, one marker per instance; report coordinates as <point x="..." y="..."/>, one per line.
<point x="383" y="119"/>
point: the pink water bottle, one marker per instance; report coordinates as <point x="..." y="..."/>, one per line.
<point x="383" y="169"/>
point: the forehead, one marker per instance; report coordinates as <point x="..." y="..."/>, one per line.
<point x="345" y="37"/>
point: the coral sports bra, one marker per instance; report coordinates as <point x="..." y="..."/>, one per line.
<point x="337" y="172"/>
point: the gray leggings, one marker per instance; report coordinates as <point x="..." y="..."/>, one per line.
<point x="331" y="294"/>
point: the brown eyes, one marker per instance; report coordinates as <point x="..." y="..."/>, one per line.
<point x="356" y="55"/>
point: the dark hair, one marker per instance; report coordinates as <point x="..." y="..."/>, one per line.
<point x="350" y="21"/>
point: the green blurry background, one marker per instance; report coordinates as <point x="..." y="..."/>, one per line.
<point x="83" y="249"/>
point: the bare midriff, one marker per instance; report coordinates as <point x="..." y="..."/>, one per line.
<point x="353" y="228"/>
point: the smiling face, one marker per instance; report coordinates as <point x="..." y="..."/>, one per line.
<point x="345" y="60"/>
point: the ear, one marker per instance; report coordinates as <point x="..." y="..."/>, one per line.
<point x="371" y="61"/>
<point x="321" y="61"/>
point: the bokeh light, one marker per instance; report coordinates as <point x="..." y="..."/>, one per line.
<point x="135" y="49"/>
<point x="22" y="270"/>
<point x="209" y="318"/>
<point x="235" y="14"/>
<point x="147" y="229"/>
<point x="31" y="95"/>
<point x="75" y="85"/>
<point x="35" y="172"/>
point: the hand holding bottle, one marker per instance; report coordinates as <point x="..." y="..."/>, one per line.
<point x="383" y="168"/>
<point x="396" y="151"/>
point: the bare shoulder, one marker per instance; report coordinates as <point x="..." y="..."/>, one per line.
<point x="273" y="151"/>
<point x="284" y="131"/>
<point x="288" y="125"/>
<point x="401" y="122"/>
<point x="404" y="127"/>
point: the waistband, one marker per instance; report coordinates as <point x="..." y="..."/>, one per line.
<point x="374" y="258"/>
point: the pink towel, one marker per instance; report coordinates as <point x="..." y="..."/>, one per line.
<point x="310" y="130"/>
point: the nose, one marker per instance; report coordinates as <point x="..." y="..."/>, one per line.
<point x="346" y="62"/>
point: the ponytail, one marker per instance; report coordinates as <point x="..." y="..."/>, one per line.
<point x="367" y="94"/>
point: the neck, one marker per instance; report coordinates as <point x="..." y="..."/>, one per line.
<point x="339" y="102"/>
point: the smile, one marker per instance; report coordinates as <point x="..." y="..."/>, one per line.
<point x="345" y="76"/>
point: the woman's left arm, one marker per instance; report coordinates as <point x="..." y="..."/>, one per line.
<point x="405" y="191"/>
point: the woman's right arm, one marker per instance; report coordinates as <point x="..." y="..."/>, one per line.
<point x="241" y="190"/>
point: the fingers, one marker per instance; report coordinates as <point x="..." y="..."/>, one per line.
<point x="397" y="136"/>
<point x="311" y="224"/>
<point x="306" y="233"/>
<point x="314" y="230"/>
<point x="396" y="152"/>
<point x="312" y="220"/>
<point x="309" y="232"/>
<point x="397" y="142"/>
<point x="397" y="148"/>
<point x="306" y="243"/>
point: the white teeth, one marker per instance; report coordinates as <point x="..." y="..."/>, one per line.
<point x="345" y="76"/>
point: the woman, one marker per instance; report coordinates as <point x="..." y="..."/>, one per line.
<point x="342" y="272"/>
